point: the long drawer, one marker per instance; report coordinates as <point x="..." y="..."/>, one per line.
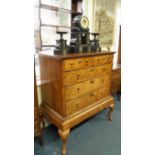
<point x="84" y="87"/>
<point x="81" y="102"/>
<point x="83" y="74"/>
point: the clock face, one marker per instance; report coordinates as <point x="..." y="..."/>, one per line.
<point x="84" y="22"/>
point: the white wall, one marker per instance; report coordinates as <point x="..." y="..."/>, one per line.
<point x="113" y="8"/>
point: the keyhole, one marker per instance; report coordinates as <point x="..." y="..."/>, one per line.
<point x="78" y="76"/>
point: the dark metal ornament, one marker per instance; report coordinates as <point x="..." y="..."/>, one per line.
<point x="95" y="45"/>
<point x="80" y="38"/>
<point x="61" y="46"/>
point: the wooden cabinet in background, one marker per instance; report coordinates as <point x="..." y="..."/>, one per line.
<point x="37" y="118"/>
<point x="116" y="81"/>
<point x="76" y="86"/>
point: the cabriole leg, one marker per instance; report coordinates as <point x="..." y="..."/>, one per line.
<point x="63" y="135"/>
<point x="111" y="108"/>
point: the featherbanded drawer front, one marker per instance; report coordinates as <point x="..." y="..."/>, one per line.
<point x="77" y="87"/>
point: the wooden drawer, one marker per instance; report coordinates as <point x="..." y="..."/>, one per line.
<point x="73" y="64"/>
<point x="85" y="87"/>
<point x="100" y="60"/>
<point x="91" y="97"/>
<point x="82" y="102"/>
<point x="84" y="74"/>
<point x="80" y="88"/>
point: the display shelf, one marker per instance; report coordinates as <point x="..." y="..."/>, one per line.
<point x="76" y="13"/>
<point x="49" y="15"/>
<point x="48" y="45"/>
<point x="53" y="8"/>
<point x="56" y="26"/>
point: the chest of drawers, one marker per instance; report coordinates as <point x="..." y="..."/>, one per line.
<point x="75" y="87"/>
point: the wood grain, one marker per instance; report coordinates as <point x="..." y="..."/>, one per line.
<point x="77" y="87"/>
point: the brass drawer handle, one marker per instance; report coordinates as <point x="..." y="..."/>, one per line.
<point x="87" y="62"/>
<point x="71" y="64"/>
<point x="79" y="61"/>
<point x="92" y="94"/>
<point x="101" y="93"/>
<point x="78" y="76"/>
<point x="92" y="81"/>
<point x="78" y="89"/>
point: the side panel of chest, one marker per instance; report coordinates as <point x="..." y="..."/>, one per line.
<point x="51" y="88"/>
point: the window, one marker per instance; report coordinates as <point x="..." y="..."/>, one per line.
<point x="50" y="16"/>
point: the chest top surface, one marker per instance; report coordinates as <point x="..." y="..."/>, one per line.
<point x="72" y="55"/>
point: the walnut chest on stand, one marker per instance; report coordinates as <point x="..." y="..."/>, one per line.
<point x="75" y="87"/>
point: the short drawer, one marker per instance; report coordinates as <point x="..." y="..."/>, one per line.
<point x="73" y="64"/>
<point x="82" y="88"/>
<point x="84" y="74"/>
<point x="99" y="60"/>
